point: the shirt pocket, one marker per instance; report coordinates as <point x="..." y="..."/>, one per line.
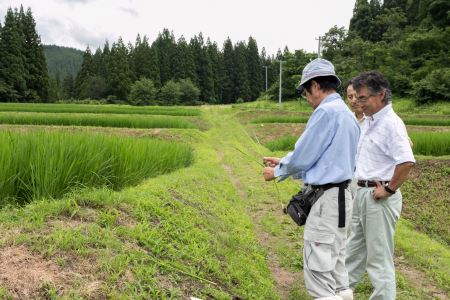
<point x="318" y="250"/>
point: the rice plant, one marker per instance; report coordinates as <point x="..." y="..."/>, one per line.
<point x="284" y="143"/>
<point x="281" y="119"/>
<point x="427" y="122"/>
<point x="100" y="120"/>
<point x="103" y="109"/>
<point x="431" y="143"/>
<point x="304" y="119"/>
<point x="40" y="164"/>
<point x="425" y="143"/>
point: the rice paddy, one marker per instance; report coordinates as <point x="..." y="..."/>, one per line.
<point x="281" y="119"/>
<point x="48" y="165"/>
<point x="425" y="143"/>
<point x="100" y="120"/>
<point x="98" y="109"/>
<point x="431" y="143"/>
<point x="304" y="119"/>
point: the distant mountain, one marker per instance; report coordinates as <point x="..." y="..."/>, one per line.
<point x="62" y="60"/>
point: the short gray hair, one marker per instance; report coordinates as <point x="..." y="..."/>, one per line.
<point x="375" y="82"/>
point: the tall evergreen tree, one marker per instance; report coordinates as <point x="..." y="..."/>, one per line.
<point x="217" y="68"/>
<point x="254" y="67"/>
<point x="154" y="71"/>
<point x="204" y="68"/>
<point x="37" y="79"/>
<point x="97" y="61"/>
<point x="229" y="94"/>
<point x="241" y="78"/>
<point x="12" y="61"/>
<point x="102" y="69"/>
<point x="183" y="62"/>
<point x="68" y="86"/>
<point x="143" y="61"/>
<point x="119" y="75"/>
<point x="166" y="47"/>
<point x="361" y="20"/>
<point x="86" y="71"/>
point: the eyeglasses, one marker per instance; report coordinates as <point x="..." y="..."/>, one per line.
<point x="364" y="99"/>
<point x="303" y="94"/>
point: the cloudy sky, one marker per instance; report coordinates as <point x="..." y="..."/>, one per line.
<point x="274" y="24"/>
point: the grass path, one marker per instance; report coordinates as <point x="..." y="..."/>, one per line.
<point x="240" y="158"/>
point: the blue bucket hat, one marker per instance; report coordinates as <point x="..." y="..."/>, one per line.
<point x="317" y="68"/>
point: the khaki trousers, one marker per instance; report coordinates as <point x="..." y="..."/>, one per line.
<point x="371" y="243"/>
<point x="324" y="246"/>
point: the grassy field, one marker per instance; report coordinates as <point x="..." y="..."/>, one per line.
<point x="101" y="120"/>
<point x="212" y="230"/>
<point x="98" y="109"/>
<point x="281" y="118"/>
<point x="425" y="143"/>
<point x="47" y="165"/>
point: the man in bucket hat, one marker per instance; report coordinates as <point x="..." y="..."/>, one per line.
<point x="324" y="158"/>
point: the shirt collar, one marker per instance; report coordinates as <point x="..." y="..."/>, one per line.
<point x="330" y="98"/>
<point x="381" y="113"/>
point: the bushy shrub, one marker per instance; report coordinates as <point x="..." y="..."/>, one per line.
<point x="189" y="92"/>
<point x="435" y="86"/>
<point x="143" y="92"/>
<point x="170" y="93"/>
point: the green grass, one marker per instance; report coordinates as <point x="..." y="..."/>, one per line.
<point x="406" y="105"/>
<point x="262" y="104"/>
<point x="433" y="115"/>
<point x="425" y="143"/>
<point x="426" y="122"/>
<point x="431" y="143"/>
<point x="40" y="164"/>
<point x="210" y="230"/>
<point x="182" y="234"/>
<point x="100" y="120"/>
<point x="426" y="198"/>
<point x="284" y="143"/>
<point x="303" y="119"/>
<point x="422" y="252"/>
<point x="281" y="119"/>
<point x="98" y="109"/>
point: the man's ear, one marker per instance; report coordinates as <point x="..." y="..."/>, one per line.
<point x="383" y="94"/>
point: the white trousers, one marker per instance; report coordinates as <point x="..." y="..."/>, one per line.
<point x="324" y="246"/>
<point x="371" y="243"/>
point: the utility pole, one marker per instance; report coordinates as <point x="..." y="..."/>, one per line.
<point x="318" y="52"/>
<point x="266" y="67"/>
<point x="279" y="94"/>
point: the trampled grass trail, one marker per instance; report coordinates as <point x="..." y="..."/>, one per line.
<point x="213" y="230"/>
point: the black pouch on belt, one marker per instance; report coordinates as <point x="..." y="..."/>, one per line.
<point x="300" y="204"/>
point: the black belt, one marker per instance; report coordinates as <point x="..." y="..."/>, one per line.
<point x="370" y="183"/>
<point x="341" y="197"/>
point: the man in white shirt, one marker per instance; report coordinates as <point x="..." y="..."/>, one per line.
<point x="383" y="162"/>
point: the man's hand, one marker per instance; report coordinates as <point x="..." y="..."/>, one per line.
<point x="268" y="173"/>
<point x="271" y="161"/>
<point x="379" y="192"/>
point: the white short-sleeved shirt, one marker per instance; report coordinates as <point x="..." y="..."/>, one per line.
<point x="383" y="145"/>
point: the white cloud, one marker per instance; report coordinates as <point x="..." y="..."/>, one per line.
<point x="130" y="11"/>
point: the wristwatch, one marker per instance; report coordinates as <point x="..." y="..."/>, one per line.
<point x="387" y="189"/>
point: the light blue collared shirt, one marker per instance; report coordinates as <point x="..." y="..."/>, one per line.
<point x="326" y="151"/>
